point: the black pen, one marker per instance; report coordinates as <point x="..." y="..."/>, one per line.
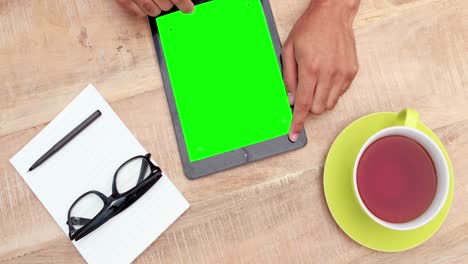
<point x="66" y="139"/>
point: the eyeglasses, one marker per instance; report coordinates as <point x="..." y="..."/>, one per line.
<point x="92" y="209"/>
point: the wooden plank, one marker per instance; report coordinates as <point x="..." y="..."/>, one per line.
<point x="50" y="50"/>
<point x="412" y="53"/>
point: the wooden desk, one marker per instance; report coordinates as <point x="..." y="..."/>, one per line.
<point x="412" y="53"/>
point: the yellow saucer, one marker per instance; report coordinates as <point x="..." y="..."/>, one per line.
<point x="342" y="202"/>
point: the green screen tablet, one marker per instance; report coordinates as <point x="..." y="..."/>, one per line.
<point x="224" y="77"/>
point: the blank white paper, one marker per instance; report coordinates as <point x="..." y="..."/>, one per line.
<point x="88" y="162"/>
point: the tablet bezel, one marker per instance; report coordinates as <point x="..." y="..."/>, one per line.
<point x="231" y="158"/>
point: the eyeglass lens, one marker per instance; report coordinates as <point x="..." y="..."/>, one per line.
<point x="85" y="209"/>
<point x="132" y="173"/>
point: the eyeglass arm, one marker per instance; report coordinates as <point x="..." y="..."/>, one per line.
<point x="144" y="167"/>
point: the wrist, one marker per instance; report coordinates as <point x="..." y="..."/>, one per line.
<point x="345" y="10"/>
<point x="348" y="5"/>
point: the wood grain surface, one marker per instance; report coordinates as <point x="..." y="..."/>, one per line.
<point x="412" y="53"/>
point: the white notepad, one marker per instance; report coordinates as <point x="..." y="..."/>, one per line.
<point x="88" y="162"/>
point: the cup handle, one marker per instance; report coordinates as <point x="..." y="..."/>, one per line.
<point x="410" y="116"/>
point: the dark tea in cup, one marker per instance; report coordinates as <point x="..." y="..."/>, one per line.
<point x="396" y="179"/>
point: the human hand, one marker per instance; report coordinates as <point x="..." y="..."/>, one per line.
<point x="154" y="7"/>
<point x="319" y="59"/>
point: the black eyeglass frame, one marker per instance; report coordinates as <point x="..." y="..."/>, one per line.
<point x="117" y="202"/>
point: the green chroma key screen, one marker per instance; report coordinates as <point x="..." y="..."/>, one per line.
<point x="225" y="76"/>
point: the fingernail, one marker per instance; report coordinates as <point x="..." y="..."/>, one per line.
<point x="290" y="98"/>
<point x="293" y="137"/>
<point x="192" y="10"/>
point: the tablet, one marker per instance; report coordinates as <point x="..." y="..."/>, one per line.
<point x="221" y="70"/>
